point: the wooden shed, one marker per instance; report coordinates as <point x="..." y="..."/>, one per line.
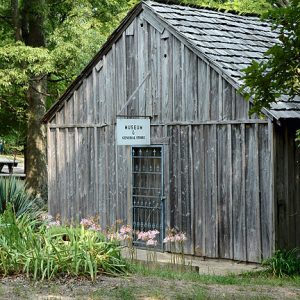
<point x="230" y="181"/>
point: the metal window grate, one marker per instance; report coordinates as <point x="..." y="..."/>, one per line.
<point x="147" y="191"/>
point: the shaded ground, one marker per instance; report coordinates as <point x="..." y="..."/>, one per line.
<point x="140" y="287"/>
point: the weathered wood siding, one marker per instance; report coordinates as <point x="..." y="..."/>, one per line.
<point x="287" y="186"/>
<point x="229" y="167"/>
<point x="217" y="159"/>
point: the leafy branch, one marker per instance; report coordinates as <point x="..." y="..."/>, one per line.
<point x="279" y="72"/>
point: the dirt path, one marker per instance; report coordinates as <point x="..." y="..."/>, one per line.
<point x="137" y="287"/>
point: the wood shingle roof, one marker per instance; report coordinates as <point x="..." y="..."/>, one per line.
<point x="229" y="41"/>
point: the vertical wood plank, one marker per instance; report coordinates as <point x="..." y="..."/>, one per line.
<point x="142" y="63"/>
<point x="159" y="108"/>
<point x="58" y="211"/>
<point x="177" y="79"/>
<point x="202" y="91"/>
<point x="183" y="107"/>
<point x="89" y="92"/>
<point x="207" y="102"/>
<point x="101" y="103"/>
<point x="272" y="149"/>
<point x="52" y="170"/>
<point x="120" y="73"/>
<point x="297" y="192"/>
<point x="166" y="86"/>
<point x="252" y="195"/>
<point x="238" y="192"/>
<point x="108" y="68"/>
<point x="199" y="189"/>
<point x="71" y="160"/>
<point x="241" y="107"/>
<point x="211" y="234"/>
<point x="131" y="71"/>
<point x="192" y="199"/>
<point x="175" y="180"/>
<point x="91" y="176"/>
<point x="221" y="95"/>
<point x="214" y="95"/>
<point x="224" y="192"/>
<point x="266" y="214"/>
<point x="228" y="101"/>
<point x="185" y="182"/>
<point x="166" y="186"/>
<point x="190" y="88"/>
<point x="102" y="175"/>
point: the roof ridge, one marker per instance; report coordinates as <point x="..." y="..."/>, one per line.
<point x="222" y="10"/>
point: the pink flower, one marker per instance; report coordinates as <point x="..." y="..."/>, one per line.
<point x="151" y="242"/>
<point x="152" y="234"/>
<point x="125" y="229"/>
<point x="180" y="237"/>
<point x="46" y="217"/>
<point x="149" y="237"/>
<point x="95" y="227"/>
<point x="111" y="236"/>
<point x="172" y="237"/>
<point x="86" y="222"/>
<point x="53" y="224"/>
<point x="168" y="239"/>
<point x="142" y="235"/>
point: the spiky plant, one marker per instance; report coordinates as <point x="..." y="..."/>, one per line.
<point x="14" y="191"/>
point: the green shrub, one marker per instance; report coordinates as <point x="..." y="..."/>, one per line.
<point x="44" y="252"/>
<point x="284" y="263"/>
<point x="14" y="191"/>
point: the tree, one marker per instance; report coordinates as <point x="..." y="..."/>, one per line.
<point x="44" y="45"/>
<point x="279" y="72"/>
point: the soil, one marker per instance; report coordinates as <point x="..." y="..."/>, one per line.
<point x="136" y="287"/>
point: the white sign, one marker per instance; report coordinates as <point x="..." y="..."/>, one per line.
<point x="133" y="131"/>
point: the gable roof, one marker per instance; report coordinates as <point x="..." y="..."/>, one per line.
<point x="227" y="41"/>
<point x="230" y="41"/>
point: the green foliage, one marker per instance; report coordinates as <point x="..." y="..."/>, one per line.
<point x="73" y="33"/>
<point x="279" y="73"/>
<point x="284" y="263"/>
<point x="43" y="252"/>
<point x="298" y="137"/>
<point x="13" y="192"/>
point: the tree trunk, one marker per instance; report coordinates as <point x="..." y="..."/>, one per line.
<point x="16" y="19"/>
<point x="35" y="156"/>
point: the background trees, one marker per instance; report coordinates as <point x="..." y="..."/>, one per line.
<point x="44" y="44"/>
<point x="279" y="73"/>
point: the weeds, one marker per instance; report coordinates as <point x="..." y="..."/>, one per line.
<point x="284" y="263"/>
<point x="250" y="278"/>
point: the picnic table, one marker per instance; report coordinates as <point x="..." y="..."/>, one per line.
<point x="10" y="164"/>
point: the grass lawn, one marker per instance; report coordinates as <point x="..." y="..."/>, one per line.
<point x="154" y="284"/>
